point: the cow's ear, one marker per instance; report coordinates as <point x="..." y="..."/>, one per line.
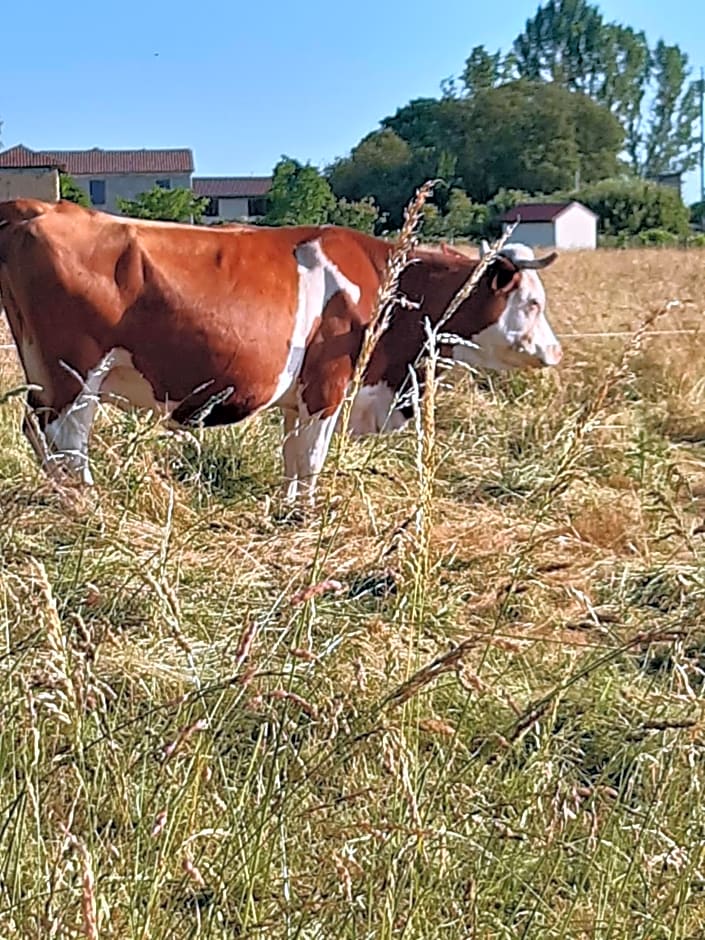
<point x="504" y="278"/>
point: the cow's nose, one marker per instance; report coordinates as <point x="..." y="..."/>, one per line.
<point x="550" y="355"/>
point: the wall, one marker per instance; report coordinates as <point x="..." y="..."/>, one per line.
<point x="29" y="183"/>
<point x="576" y="228"/>
<point x="130" y="185"/>
<point x="534" y="234"/>
<point x="230" y="209"/>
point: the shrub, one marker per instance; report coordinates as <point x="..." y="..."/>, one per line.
<point x="631" y="206"/>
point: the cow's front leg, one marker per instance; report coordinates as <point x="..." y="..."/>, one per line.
<point x="68" y="434"/>
<point x="306" y="444"/>
<point x="290" y="447"/>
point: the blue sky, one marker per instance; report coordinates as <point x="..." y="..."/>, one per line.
<point x="242" y="83"/>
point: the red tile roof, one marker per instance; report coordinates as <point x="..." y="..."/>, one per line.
<point x="540" y="211"/>
<point x="96" y="161"/>
<point x="21" y="158"/>
<point x="231" y="186"/>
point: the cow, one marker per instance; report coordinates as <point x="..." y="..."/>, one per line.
<point x="213" y="325"/>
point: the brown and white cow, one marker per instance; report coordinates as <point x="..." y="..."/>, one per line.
<point x="214" y="325"/>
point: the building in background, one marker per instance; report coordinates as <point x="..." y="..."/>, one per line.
<point x="107" y="175"/>
<point x="29" y="174"/>
<point x="233" y="198"/>
<point x="566" y="225"/>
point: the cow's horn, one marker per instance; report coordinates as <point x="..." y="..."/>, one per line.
<point x="535" y="264"/>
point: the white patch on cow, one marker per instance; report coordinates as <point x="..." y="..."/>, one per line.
<point x="319" y="280"/>
<point x="522" y="336"/>
<point x="126" y="387"/>
<point x="306" y="443"/>
<point x="372" y="411"/>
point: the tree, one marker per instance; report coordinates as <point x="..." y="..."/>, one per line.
<point x="671" y="142"/>
<point x="484" y="70"/>
<point x="385" y="167"/>
<point x="72" y="192"/>
<point x="537" y="137"/>
<point x="362" y="215"/>
<point x="628" y="207"/>
<point x="169" y="205"/>
<point x="648" y="90"/>
<point x="300" y="195"/>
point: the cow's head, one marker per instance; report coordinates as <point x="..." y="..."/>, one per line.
<point x="505" y="318"/>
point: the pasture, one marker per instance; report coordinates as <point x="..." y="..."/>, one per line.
<point x="464" y="699"/>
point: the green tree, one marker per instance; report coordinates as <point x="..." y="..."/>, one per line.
<point x="482" y="70"/>
<point x="385" y="167"/>
<point x="628" y="207"/>
<point x="300" y="195"/>
<point x="362" y="215"/>
<point x="168" y="205"/>
<point x="556" y="136"/>
<point x="648" y="90"/>
<point x="671" y="142"/>
<point x="72" y="192"/>
<point x="463" y="216"/>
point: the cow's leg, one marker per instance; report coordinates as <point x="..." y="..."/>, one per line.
<point x="67" y="435"/>
<point x="306" y="449"/>
<point x="290" y="448"/>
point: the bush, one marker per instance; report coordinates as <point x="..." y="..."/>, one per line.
<point x="72" y="192"/>
<point x="631" y="206"/>
<point x="656" y="236"/>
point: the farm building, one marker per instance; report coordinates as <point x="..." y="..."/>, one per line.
<point x="29" y="175"/>
<point x="567" y="225"/>
<point x="233" y="198"/>
<point x="106" y="175"/>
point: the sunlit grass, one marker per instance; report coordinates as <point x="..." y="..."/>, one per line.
<point x="488" y="724"/>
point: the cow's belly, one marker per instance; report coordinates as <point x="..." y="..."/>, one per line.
<point x="372" y="411"/>
<point x="126" y="387"/>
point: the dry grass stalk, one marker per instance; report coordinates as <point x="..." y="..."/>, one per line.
<point x="387" y="296"/>
<point x="89" y="908"/>
<point x="469" y="286"/>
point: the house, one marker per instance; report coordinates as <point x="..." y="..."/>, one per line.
<point x="106" y="175"/>
<point x="31" y="175"/>
<point x="566" y="225"/>
<point x="233" y="198"/>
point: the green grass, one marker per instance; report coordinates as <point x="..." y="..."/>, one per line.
<point x="493" y="728"/>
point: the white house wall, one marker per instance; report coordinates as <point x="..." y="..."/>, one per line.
<point x="129" y="185"/>
<point x="232" y="209"/>
<point x="575" y="229"/>
<point x="29" y="183"/>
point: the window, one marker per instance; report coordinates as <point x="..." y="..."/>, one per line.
<point x="164" y="184"/>
<point x="97" y="191"/>
<point x="212" y="207"/>
<point x="257" y="205"/>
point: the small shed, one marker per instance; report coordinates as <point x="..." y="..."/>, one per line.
<point x="566" y="225"/>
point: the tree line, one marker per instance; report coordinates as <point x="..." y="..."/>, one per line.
<point x="577" y="107"/>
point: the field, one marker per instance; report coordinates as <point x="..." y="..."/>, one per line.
<point x="462" y="700"/>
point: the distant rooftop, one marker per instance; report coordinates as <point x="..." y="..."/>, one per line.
<point x="540" y="211"/>
<point x="97" y="161"/>
<point x="223" y="187"/>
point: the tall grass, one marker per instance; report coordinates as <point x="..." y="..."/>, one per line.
<point x="467" y="701"/>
